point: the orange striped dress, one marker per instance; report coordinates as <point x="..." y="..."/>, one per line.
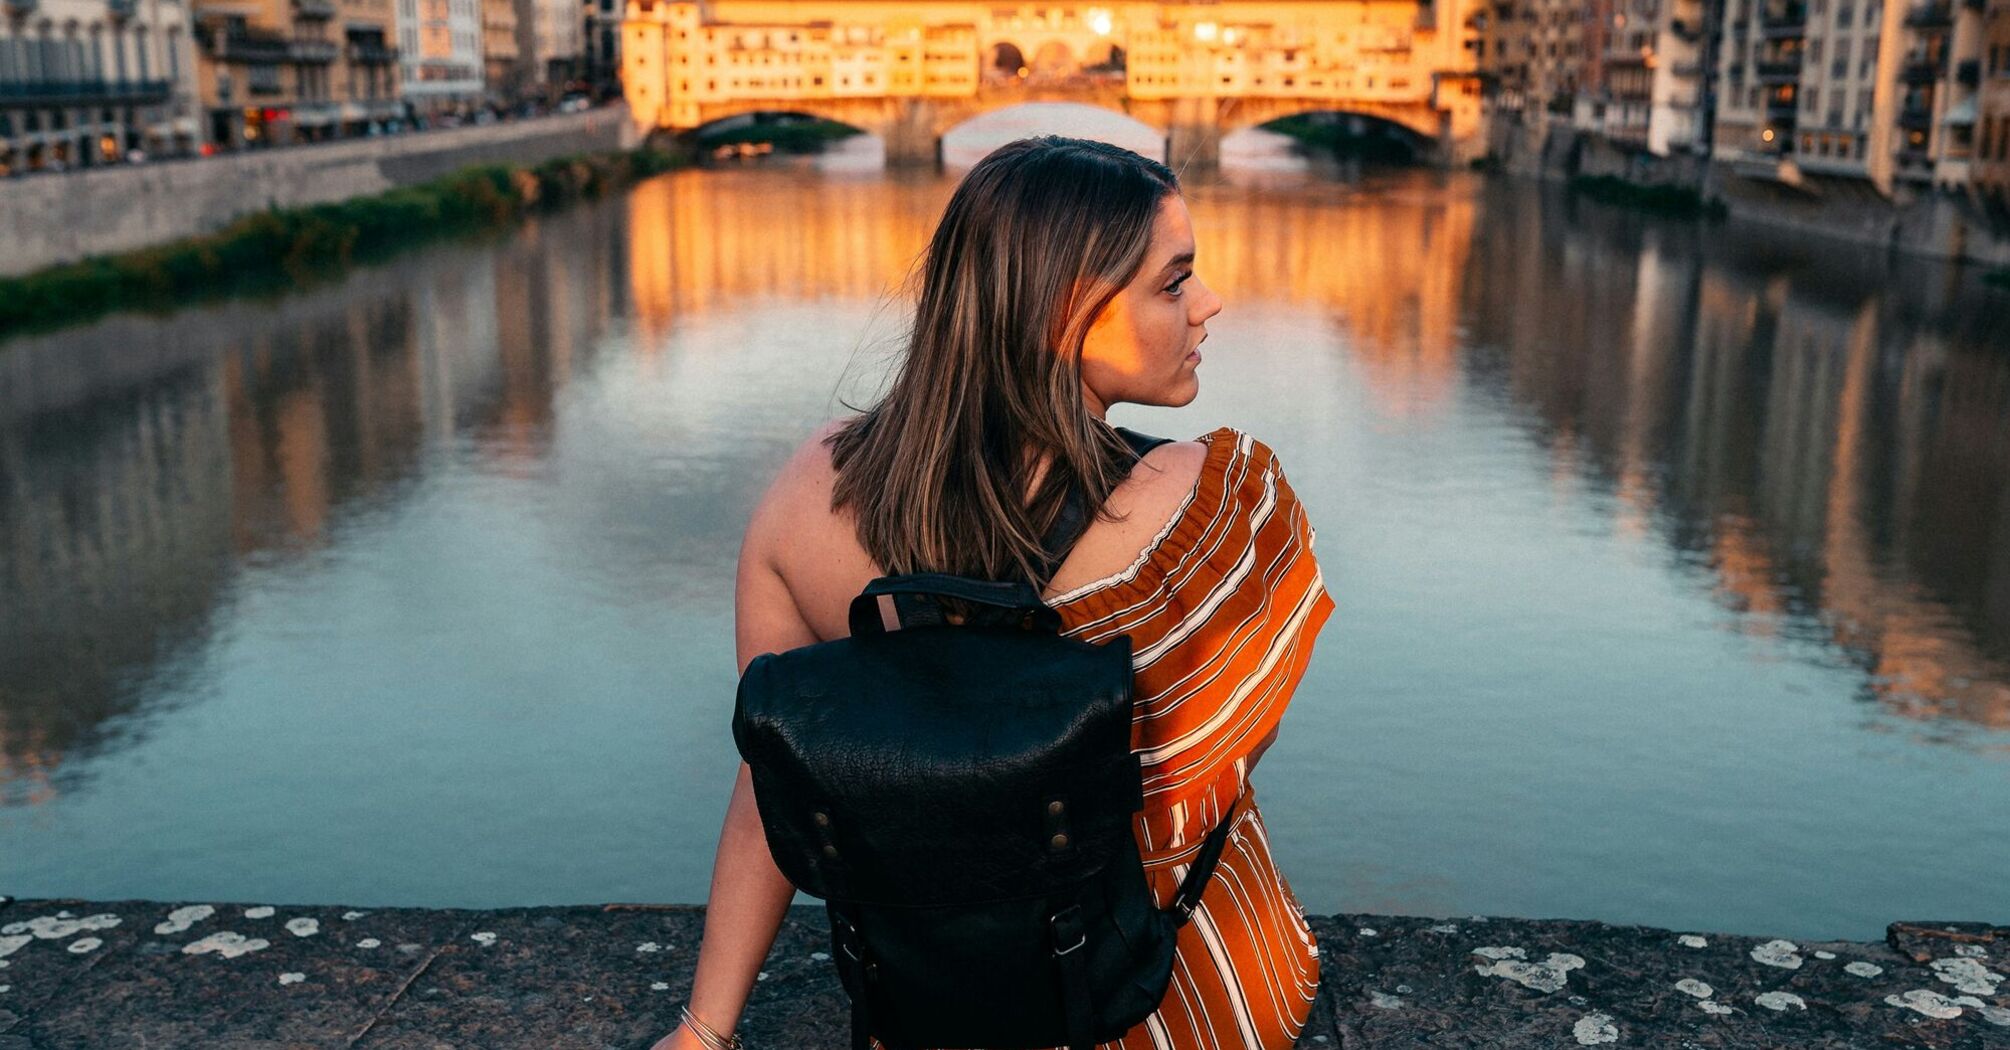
<point x="1222" y="608"/>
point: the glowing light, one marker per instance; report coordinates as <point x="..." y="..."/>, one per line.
<point x="1100" y="21"/>
<point x="1766" y="135"/>
<point x="1204" y="31"/>
<point x="1231" y="35"/>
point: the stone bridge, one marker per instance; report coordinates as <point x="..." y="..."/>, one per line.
<point x="909" y="74"/>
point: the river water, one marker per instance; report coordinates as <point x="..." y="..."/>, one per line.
<point x="1672" y="565"/>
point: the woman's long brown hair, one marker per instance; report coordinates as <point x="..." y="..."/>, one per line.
<point x="1037" y="239"/>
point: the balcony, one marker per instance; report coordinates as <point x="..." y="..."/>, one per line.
<point x="367" y="54"/>
<point x="1780" y="21"/>
<point x="1779" y="70"/>
<point x="305" y="50"/>
<point x="254" y="49"/>
<point x="1919" y="69"/>
<point x="84" y="92"/>
<point x="1782" y="112"/>
<point x="1933" y="14"/>
<point x="314" y="8"/>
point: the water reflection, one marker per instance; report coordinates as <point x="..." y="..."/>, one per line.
<point x="143" y="460"/>
<point x="1823" y="434"/>
<point x="498" y="474"/>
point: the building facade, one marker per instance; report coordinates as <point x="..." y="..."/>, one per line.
<point x="1644" y="85"/>
<point x="601" y="40"/>
<point x="440" y="55"/>
<point x="1991" y="171"/>
<point x="1531" y="56"/>
<point x="283" y="72"/>
<point x="1195" y="69"/>
<point x="366" y="70"/>
<point x="86" y="82"/>
<point x="501" y="61"/>
<point x="551" y="38"/>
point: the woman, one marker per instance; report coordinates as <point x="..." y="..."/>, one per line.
<point x="1059" y="282"/>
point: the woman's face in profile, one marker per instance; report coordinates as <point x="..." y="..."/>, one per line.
<point x="1142" y="348"/>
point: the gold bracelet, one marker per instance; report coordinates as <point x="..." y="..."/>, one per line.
<point x="709" y="1036"/>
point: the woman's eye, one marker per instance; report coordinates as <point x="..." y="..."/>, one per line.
<point x="1173" y="288"/>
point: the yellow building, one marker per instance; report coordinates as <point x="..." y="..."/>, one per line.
<point x="1196" y="70"/>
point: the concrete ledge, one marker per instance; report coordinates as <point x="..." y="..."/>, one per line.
<point x="85" y="974"/>
<point x="50" y="219"/>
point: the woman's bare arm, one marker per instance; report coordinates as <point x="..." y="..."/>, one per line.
<point x="749" y="895"/>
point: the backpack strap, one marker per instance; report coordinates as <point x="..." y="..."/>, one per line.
<point x="1074" y="517"/>
<point x="1190" y="887"/>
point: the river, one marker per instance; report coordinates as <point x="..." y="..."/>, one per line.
<point x="1672" y="563"/>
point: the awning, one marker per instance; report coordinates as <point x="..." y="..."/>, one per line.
<point x="1961" y="114"/>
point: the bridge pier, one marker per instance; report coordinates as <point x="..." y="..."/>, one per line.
<point x="909" y="133"/>
<point x="1193" y="135"/>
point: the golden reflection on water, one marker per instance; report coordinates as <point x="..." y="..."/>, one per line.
<point x="1830" y="452"/>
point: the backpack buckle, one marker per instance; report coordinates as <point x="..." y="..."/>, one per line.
<point x="1068" y="920"/>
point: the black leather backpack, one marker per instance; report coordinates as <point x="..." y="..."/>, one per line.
<point x="962" y="796"/>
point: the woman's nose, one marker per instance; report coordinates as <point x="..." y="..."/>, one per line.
<point x="1209" y="306"/>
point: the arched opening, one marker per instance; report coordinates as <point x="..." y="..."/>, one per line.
<point x="966" y="143"/>
<point x="763" y="132"/>
<point x="1054" y="59"/>
<point x="1355" y="137"/>
<point x="1007" y="62"/>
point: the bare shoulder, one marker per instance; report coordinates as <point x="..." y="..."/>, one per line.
<point x="797" y="497"/>
<point x="1150" y="496"/>
<point x="1176" y="464"/>
<point x="809" y="553"/>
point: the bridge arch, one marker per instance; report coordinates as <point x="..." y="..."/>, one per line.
<point x="968" y="139"/>
<point x="769" y="122"/>
<point x="1004" y="59"/>
<point x="1420" y="120"/>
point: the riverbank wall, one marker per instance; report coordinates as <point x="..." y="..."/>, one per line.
<point x="46" y="220"/>
<point x="79" y="975"/>
<point x="1932" y="223"/>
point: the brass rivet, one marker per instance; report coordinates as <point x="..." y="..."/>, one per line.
<point x="823" y="820"/>
<point x="830" y="851"/>
<point x="1060" y="841"/>
<point x="1054" y="806"/>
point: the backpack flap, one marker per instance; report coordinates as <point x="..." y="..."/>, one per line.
<point x="922" y="766"/>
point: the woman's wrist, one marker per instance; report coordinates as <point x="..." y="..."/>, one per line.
<point x="713" y="1037"/>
